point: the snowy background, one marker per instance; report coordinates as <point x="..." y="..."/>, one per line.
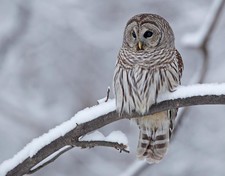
<point x="57" y="57"/>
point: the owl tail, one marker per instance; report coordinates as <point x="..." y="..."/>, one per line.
<point x="153" y="138"/>
<point x="152" y="149"/>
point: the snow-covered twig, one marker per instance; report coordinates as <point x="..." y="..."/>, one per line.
<point x="69" y="134"/>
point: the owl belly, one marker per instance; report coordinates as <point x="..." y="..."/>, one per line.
<point x="137" y="89"/>
<point x="145" y="89"/>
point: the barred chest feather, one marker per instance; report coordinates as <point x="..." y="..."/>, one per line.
<point x="137" y="84"/>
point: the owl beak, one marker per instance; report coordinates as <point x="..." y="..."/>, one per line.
<point x="140" y="45"/>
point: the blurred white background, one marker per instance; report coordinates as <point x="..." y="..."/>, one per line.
<point x="57" y="57"/>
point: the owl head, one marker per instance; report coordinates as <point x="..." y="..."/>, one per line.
<point x="145" y="32"/>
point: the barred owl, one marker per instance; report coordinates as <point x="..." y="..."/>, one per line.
<point x="148" y="65"/>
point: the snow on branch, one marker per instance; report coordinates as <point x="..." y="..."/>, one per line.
<point x="45" y="149"/>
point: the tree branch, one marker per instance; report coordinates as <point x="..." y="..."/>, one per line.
<point x="71" y="138"/>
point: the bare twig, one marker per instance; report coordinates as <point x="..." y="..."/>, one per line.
<point x="106" y="98"/>
<point x="90" y="144"/>
<point x="83" y="144"/>
<point x="82" y="129"/>
<point x="36" y="168"/>
<point x="107" y="95"/>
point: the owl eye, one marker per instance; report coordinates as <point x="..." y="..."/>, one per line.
<point x="148" y="34"/>
<point x="133" y="34"/>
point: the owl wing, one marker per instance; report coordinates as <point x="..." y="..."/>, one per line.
<point x="172" y="113"/>
<point x="180" y="64"/>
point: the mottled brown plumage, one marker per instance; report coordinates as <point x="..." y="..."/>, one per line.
<point x="148" y="65"/>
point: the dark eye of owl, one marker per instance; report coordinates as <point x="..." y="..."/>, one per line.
<point x="148" y="34"/>
<point x="133" y="34"/>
